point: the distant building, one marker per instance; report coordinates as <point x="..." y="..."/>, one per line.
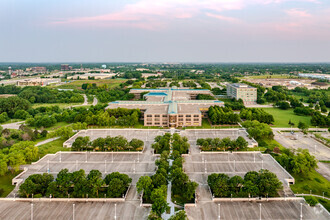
<point x="146" y="75"/>
<point x="315" y="76"/>
<point x="92" y="76"/>
<point x="169" y="107"/>
<point x="65" y="67"/>
<point x="39" y="69"/>
<point x="242" y="91"/>
<point x="37" y="82"/>
<point x="9" y="70"/>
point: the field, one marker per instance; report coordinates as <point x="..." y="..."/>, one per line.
<point x="61" y="105"/>
<point x="282" y="117"/>
<point x="52" y="147"/>
<point x="76" y="84"/>
<point x="5" y="183"/>
<point x="279" y="76"/>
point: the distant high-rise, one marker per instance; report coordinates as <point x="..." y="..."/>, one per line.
<point x="39" y="69"/>
<point x="242" y="91"/>
<point x="65" y="67"/>
<point x="9" y="70"/>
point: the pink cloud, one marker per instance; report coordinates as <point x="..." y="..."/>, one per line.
<point x="148" y="14"/>
<point x="295" y="12"/>
<point x="224" y="18"/>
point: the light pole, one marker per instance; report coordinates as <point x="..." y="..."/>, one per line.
<point x="301" y="216"/>
<point x="73" y="209"/>
<point x="116" y="211"/>
<point x="48" y="166"/>
<point x="260" y="211"/>
<point x="219" y="211"/>
<point x="105" y="166"/>
<point x="31" y="211"/>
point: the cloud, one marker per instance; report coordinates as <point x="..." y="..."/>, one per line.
<point x="224" y="18"/>
<point x="295" y="12"/>
<point x="149" y="14"/>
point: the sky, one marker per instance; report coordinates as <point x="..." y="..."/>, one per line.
<point x="165" y="31"/>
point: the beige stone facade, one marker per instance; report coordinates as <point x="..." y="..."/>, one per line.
<point x="242" y="91"/>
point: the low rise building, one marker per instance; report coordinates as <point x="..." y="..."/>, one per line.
<point x="242" y="91"/>
<point x="169" y="107"/>
<point x="37" y="82"/>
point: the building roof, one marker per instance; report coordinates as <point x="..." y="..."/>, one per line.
<point x="241" y="85"/>
<point x="170" y="101"/>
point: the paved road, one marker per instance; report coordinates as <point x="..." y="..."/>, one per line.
<point x="47" y="141"/>
<point x="297" y="129"/>
<point x="14" y="125"/>
<point x="95" y="101"/>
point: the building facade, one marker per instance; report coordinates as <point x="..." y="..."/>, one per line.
<point x="242" y="91"/>
<point x="169" y="107"/>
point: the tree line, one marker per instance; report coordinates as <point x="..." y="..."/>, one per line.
<point x="75" y="185"/>
<point x="256" y="114"/>
<point x="162" y="143"/>
<point x="118" y="143"/>
<point x="154" y="188"/>
<point x="222" y="115"/>
<point x="217" y="144"/>
<point x="263" y="183"/>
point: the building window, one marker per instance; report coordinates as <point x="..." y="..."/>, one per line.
<point x="157" y="116"/>
<point x="196" y="116"/>
<point x="196" y="119"/>
<point x="157" y="123"/>
<point x="149" y="116"/>
<point x="188" y="116"/>
<point x="164" y="116"/>
<point x="180" y="116"/>
<point x="149" y="123"/>
<point x="188" y="119"/>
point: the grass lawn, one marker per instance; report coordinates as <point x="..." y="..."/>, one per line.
<point x="276" y="76"/>
<point x="282" y="117"/>
<point x="315" y="182"/>
<point x="57" y="125"/>
<point x="76" y="84"/>
<point x="61" y="105"/>
<point x="52" y="147"/>
<point x="324" y="202"/>
<point x="5" y="183"/>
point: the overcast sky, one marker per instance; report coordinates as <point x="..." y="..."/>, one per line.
<point x="165" y="31"/>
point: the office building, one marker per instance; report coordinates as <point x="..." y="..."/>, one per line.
<point x="242" y="91"/>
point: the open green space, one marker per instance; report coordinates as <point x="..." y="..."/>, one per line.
<point x="61" y="105"/>
<point x="5" y="183"/>
<point x="314" y="181"/>
<point x="282" y="117"/>
<point x="52" y="147"/>
<point x="76" y="84"/>
<point x="11" y="121"/>
<point x="275" y="76"/>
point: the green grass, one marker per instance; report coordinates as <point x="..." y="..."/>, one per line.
<point x="324" y="202"/>
<point x="314" y="181"/>
<point x="5" y="183"/>
<point x="61" y="105"/>
<point x="76" y="84"/>
<point x="52" y="147"/>
<point x="57" y="125"/>
<point x="282" y="117"/>
<point x="275" y="76"/>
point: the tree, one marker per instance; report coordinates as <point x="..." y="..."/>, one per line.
<point x="158" y="196"/>
<point x="180" y="215"/>
<point x="116" y="188"/>
<point x="3" y="167"/>
<point x="27" y="188"/>
<point x="218" y="184"/>
<point x="236" y="183"/>
<point x="95" y="182"/>
<point x="303" y="127"/>
<point x="145" y="184"/>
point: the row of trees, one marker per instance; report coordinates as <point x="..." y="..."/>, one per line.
<point x="204" y="97"/>
<point x="183" y="189"/>
<point x="235" y="104"/>
<point x="217" y="144"/>
<point x="262" y="183"/>
<point x="76" y="184"/>
<point x="118" y="143"/>
<point x="256" y="114"/>
<point x="154" y="188"/>
<point x="222" y="115"/>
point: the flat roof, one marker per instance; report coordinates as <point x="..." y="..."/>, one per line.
<point x="241" y="85"/>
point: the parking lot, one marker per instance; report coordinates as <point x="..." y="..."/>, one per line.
<point x="299" y="140"/>
<point x="64" y="210"/>
<point x="146" y="135"/>
<point x="288" y="210"/>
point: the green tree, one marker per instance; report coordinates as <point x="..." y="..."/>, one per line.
<point x="180" y="215"/>
<point x="303" y="127"/>
<point x="145" y="184"/>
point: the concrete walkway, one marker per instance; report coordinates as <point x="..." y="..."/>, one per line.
<point x="14" y="125"/>
<point x="47" y="141"/>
